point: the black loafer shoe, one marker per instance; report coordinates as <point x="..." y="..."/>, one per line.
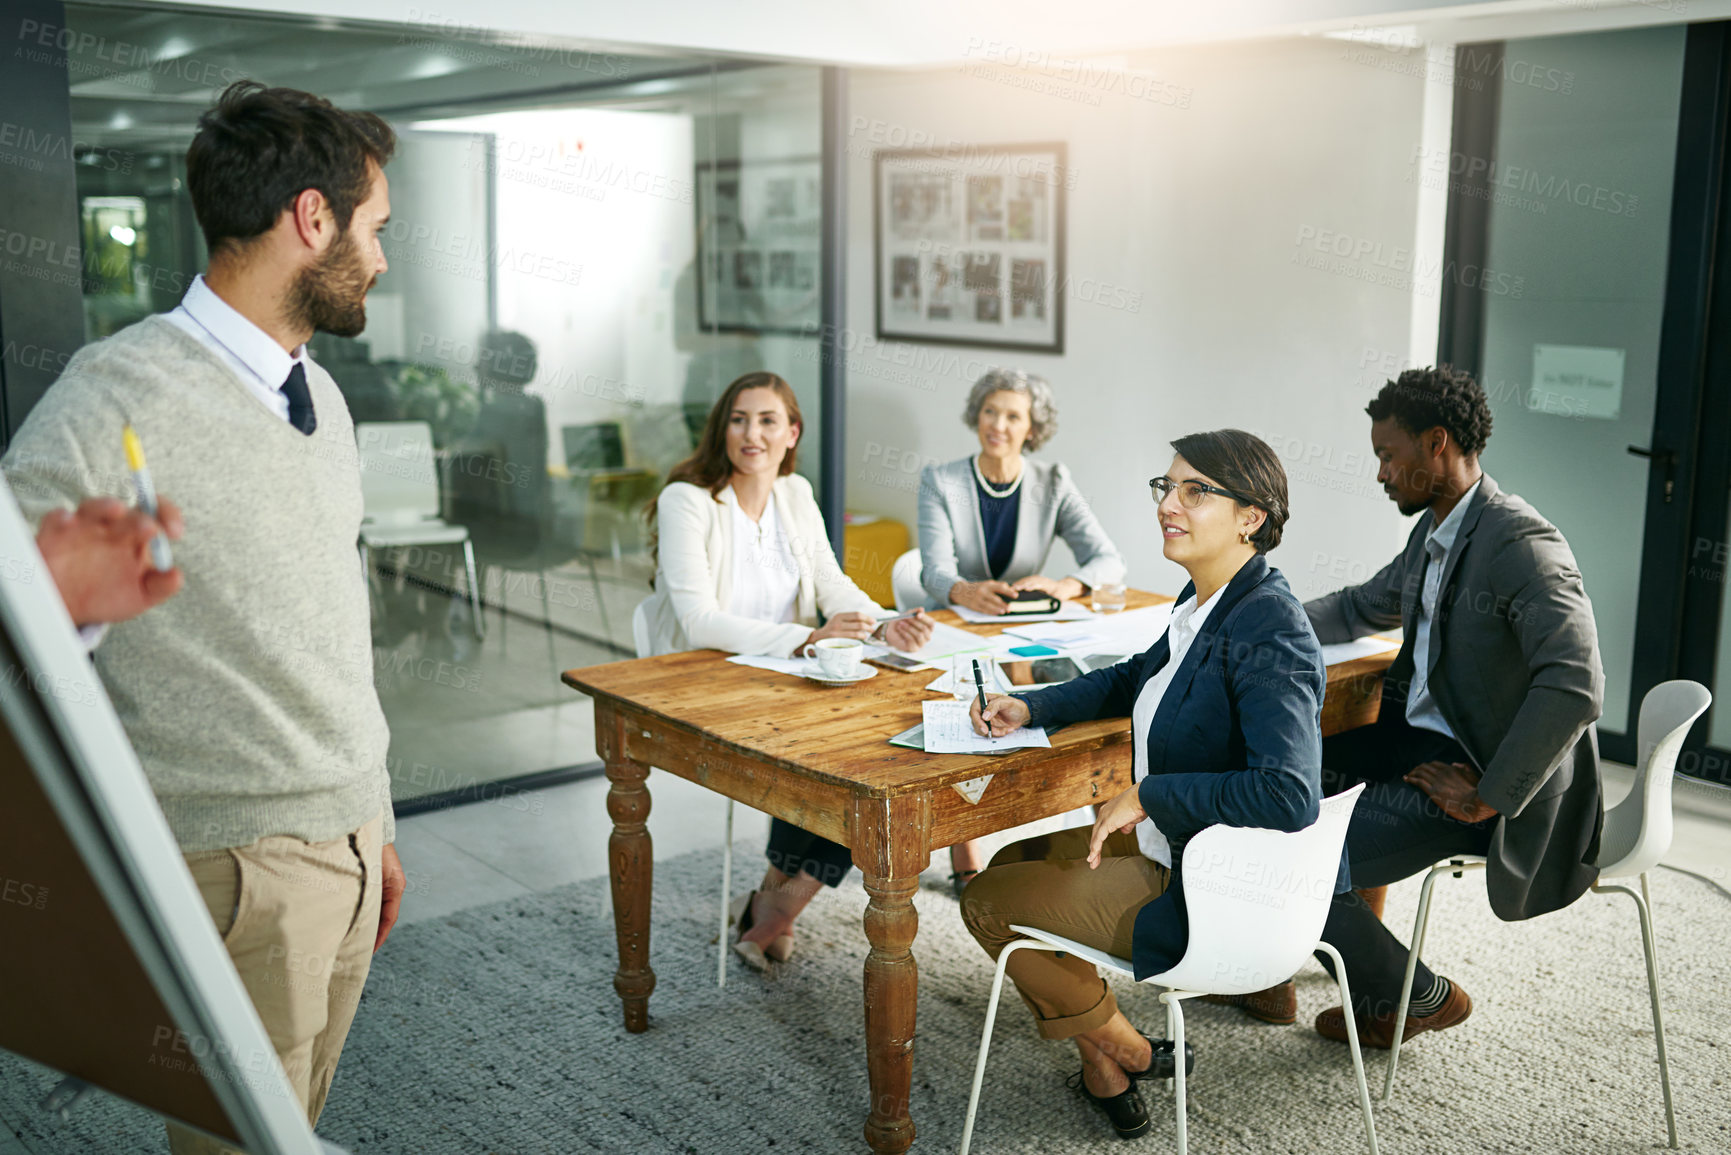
<point x="1161" y="1066"/>
<point x="1125" y="1110"/>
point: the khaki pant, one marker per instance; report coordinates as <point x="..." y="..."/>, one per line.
<point x="1046" y="882"/>
<point x="299" y="920"/>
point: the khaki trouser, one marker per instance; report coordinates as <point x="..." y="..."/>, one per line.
<point x="1046" y="882"/>
<point x="299" y="920"/>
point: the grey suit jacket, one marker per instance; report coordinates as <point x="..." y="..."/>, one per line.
<point x="953" y="541"/>
<point x="1516" y="676"/>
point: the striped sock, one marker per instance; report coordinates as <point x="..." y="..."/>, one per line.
<point x="1431" y="1001"/>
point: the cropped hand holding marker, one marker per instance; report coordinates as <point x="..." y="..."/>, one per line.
<point x="98" y="556"/>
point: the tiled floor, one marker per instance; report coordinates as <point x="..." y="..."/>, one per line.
<point x="531" y="841"/>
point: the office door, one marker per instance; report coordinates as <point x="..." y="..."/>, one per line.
<point x="1587" y="202"/>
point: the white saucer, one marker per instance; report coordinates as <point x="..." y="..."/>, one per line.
<point x="825" y="680"/>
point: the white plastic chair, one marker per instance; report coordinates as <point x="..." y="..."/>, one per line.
<point x="1257" y="900"/>
<point x="400" y="500"/>
<point x="1636" y="834"/>
<point x="640" y="640"/>
<point x="905" y="581"/>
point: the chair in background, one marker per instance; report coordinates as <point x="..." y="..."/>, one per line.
<point x="400" y="499"/>
<point x="1241" y="939"/>
<point x="905" y="581"/>
<point x="1637" y="833"/>
<point x="640" y="641"/>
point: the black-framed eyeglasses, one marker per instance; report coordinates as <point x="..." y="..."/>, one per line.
<point x="1190" y="491"/>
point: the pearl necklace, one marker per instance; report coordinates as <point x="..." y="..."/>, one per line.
<point x="991" y="490"/>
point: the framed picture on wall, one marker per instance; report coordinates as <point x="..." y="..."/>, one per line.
<point x="758" y="231"/>
<point x="969" y="245"/>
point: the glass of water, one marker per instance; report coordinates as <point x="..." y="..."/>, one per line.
<point x="1108" y="597"/>
<point x="962" y="676"/>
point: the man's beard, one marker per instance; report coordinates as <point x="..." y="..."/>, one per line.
<point x="330" y="295"/>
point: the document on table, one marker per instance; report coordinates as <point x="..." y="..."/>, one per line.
<point x="947" y="640"/>
<point x="1066" y="612"/>
<point x="948" y="731"/>
<point x="798" y="667"/>
<point x="1358" y="648"/>
<point x="1125" y="632"/>
<point x="995" y="684"/>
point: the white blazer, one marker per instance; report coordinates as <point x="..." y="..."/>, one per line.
<point x="694" y="573"/>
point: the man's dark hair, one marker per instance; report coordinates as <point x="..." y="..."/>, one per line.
<point x="1421" y="399"/>
<point x="259" y="148"/>
<point x="1248" y="466"/>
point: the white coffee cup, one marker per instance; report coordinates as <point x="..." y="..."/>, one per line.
<point x="837" y="657"/>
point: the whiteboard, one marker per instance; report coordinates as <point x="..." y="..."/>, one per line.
<point x="112" y="847"/>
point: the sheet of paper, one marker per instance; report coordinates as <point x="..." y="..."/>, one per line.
<point x="948" y="731"/>
<point x="1067" y="612"/>
<point x="1125" y="632"/>
<point x="1358" y="648"/>
<point x="947" y="640"/>
<point x="994" y="685"/>
<point x="798" y="667"/>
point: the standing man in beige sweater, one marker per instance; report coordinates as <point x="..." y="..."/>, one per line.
<point x="250" y="696"/>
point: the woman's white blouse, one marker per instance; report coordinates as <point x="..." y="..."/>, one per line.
<point x="765" y="574"/>
<point x="1186" y="622"/>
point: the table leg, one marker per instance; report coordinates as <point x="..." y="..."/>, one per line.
<point x="631" y="865"/>
<point x="890" y="847"/>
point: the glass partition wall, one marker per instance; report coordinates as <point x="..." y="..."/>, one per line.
<point x="585" y="247"/>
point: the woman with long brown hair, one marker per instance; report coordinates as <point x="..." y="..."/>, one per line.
<point x="743" y="563"/>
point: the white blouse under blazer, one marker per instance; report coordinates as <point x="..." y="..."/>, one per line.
<point x="691" y="606"/>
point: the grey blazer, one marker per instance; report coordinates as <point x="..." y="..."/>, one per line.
<point x="1517" y="678"/>
<point x="953" y="541"/>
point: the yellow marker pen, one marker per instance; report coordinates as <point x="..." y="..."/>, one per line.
<point x="161" y="557"/>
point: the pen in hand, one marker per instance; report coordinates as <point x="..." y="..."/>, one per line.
<point x="161" y="557"/>
<point x="980" y="688"/>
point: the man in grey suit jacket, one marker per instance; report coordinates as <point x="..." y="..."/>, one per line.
<point x="1485" y="742"/>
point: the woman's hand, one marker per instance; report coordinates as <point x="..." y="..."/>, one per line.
<point x="909" y="634"/>
<point x="1004" y="713"/>
<point x="1064" y="590"/>
<point x="987" y="597"/>
<point x="848" y="625"/>
<point x="1120" y="814"/>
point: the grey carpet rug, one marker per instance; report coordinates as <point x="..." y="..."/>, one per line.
<point x="496" y="1030"/>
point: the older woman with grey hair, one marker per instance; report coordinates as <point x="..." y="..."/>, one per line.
<point x="988" y="520"/>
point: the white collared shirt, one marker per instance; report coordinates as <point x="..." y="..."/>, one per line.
<point x="254" y="355"/>
<point x="765" y="574"/>
<point x="1186" y="622"/>
<point x="1439" y="545"/>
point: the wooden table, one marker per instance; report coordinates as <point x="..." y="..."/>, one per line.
<point x="818" y="757"/>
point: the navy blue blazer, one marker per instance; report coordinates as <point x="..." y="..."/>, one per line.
<point x="1237" y="738"/>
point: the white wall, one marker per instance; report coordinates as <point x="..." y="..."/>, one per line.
<point x="1202" y="214"/>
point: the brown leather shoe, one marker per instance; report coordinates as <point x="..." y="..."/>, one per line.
<point x="1278" y="1004"/>
<point x="1378" y="1030"/>
<point x="1374" y="897"/>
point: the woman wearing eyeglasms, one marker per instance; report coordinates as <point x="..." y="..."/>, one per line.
<point x="1226" y="729"/>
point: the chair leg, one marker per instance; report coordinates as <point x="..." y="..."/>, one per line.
<point x="547" y="619"/>
<point x="478" y="625"/>
<point x="1175" y="1024"/>
<point x="1643" y="907"/>
<point x="726" y="885"/>
<point x="1352" y="1041"/>
<point x="1412" y="955"/>
<point x="986" y="1032"/>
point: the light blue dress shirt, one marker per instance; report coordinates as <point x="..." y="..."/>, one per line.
<point x="1421" y="708"/>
